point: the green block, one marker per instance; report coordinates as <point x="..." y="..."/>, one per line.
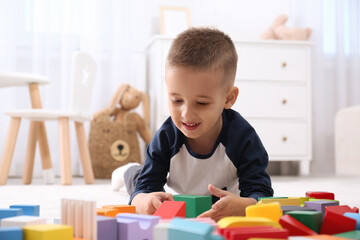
<point x="311" y="219"/>
<point x="352" y="235"/>
<point x="195" y="204"/>
<point x="259" y="198"/>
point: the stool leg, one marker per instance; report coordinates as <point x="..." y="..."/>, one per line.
<point x="65" y="158"/>
<point x="30" y="152"/>
<point x="84" y="153"/>
<point x="9" y="147"/>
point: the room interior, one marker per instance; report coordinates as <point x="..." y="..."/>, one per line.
<point x="318" y="133"/>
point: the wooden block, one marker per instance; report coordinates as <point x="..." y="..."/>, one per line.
<point x="171" y="209"/>
<point x="10" y="212"/>
<point x="326" y="237"/>
<point x="107" y="228"/>
<point x="122" y="208"/>
<point x="342" y="209"/>
<point x="320" y="205"/>
<point x="295" y="227"/>
<point x="195" y="204"/>
<point x="20" y="221"/>
<point x="107" y="212"/>
<point x="268" y="210"/>
<point x="311" y="219"/>
<point x="259" y="198"/>
<point x="246" y="222"/>
<point x="161" y="231"/>
<point x="335" y="223"/>
<point x="206" y="220"/>
<point x="355" y="216"/>
<point x="266" y="233"/>
<point x="318" y="199"/>
<point x="225" y="232"/>
<point x="282" y="201"/>
<point x="321" y="195"/>
<point x="302" y="200"/>
<point x="11" y="233"/>
<point x="136" y="226"/>
<point x="29" y="210"/>
<point x="286" y="209"/>
<point x="48" y="232"/>
<point x="180" y="229"/>
<point x="352" y="235"/>
<point x="355" y="209"/>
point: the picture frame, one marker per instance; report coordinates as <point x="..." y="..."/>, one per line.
<point x="174" y="20"/>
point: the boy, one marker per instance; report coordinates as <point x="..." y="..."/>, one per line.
<point x="204" y="147"/>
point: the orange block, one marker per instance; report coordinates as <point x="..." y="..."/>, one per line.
<point x="108" y="212"/>
<point x="326" y="237"/>
<point x="122" y="208"/>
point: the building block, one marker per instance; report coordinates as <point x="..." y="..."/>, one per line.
<point x="48" y="232"/>
<point x="286" y="209"/>
<point x="195" y="204"/>
<point x="269" y="210"/>
<point x="10" y="212"/>
<point x="29" y="210"/>
<point x="136" y="226"/>
<point x="301" y="199"/>
<point x="161" y="231"/>
<point x="225" y="232"/>
<point x="320" y="205"/>
<point x="319" y="199"/>
<point x="352" y="235"/>
<point x="107" y="228"/>
<point x="180" y="229"/>
<point x="295" y="227"/>
<point x="11" y="233"/>
<point x="227" y="222"/>
<point x="282" y="201"/>
<point x="355" y="209"/>
<point x="107" y="212"/>
<point x="355" y="216"/>
<point x="311" y="219"/>
<point x="341" y="209"/>
<point x="259" y="198"/>
<point x="265" y="233"/>
<point x="326" y="237"/>
<point x="171" y="209"/>
<point x="335" y="223"/>
<point x="122" y="208"/>
<point x="321" y="195"/>
<point x="206" y="220"/>
<point x="20" y="221"/>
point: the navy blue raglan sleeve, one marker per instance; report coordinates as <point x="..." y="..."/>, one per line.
<point x="157" y="164"/>
<point x="251" y="160"/>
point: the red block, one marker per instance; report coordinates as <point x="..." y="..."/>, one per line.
<point x="335" y="223"/>
<point x="295" y="227"/>
<point x="340" y="209"/>
<point x="321" y="195"/>
<point x="226" y="232"/>
<point x="265" y="233"/>
<point x="355" y="209"/>
<point x="171" y="209"/>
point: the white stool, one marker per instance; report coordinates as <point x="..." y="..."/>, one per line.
<point x="347" y="141"/>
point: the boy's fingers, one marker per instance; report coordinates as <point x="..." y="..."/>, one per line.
<point x="218" y="205"/>
<point x="217" y="191"/>
<point x="156" y="203"/>
<point x="206" y="214"/>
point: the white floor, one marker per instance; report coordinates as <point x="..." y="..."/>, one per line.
<point x="346" y="190"/>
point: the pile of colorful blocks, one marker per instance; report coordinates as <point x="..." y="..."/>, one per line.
<point x="316" y="216"/>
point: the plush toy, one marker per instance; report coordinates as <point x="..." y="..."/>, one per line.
<point x="279" y="31"/>
<point x="113" y="138"/>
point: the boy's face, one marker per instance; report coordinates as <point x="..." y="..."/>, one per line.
<point x="196" y="101"/>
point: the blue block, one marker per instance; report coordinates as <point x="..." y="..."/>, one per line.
<point x="10" y="212"/>
<point x="180" y="229"/>
<point x="29" y="210"/>
<point x="107" y="228"/>
<point x="355" y="216"/>
<point x="11" y="233"/>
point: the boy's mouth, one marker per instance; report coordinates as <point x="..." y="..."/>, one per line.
<point x="190" y="126"/>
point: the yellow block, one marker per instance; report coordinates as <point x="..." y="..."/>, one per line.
<point x="282" y="201"/>
<point x="122" y="208"/>
<point x="48" y="232"/>
<point x="301" y="199"/>
<point x="271" y="211"/>
<point x="227" y="222"/>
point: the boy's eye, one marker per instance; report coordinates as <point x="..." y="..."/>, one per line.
<point x="177" y="101"/>
<point x="202" y="103"/>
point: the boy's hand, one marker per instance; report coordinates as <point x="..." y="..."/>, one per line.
<point x="228" y="205"/>
<point x="147" y="203"/>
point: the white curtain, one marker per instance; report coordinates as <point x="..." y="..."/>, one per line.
<point x="40" y="36"/>
<point x="335" y="68"/>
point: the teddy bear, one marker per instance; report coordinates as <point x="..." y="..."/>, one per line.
<point x="113" y="138"/>
<point x="279" y="31"/>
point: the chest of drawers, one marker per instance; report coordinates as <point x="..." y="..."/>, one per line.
<point x="273" y="78"/>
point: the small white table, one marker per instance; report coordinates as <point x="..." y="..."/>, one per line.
<point x="37" y="129"/>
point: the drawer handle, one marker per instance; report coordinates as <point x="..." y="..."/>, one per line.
<point x="284" y="101"/>
<point x="284" y="139"/>
<point x="284" y="64"/>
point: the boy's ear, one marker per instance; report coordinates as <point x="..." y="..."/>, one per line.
<point x="231" y="97"/>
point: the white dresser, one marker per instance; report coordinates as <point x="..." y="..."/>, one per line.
<point x="274" y="94"/>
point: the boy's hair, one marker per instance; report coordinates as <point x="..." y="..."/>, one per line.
<point x="203" y="48"/>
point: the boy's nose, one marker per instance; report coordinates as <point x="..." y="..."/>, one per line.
<point x="187" y="112"/>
